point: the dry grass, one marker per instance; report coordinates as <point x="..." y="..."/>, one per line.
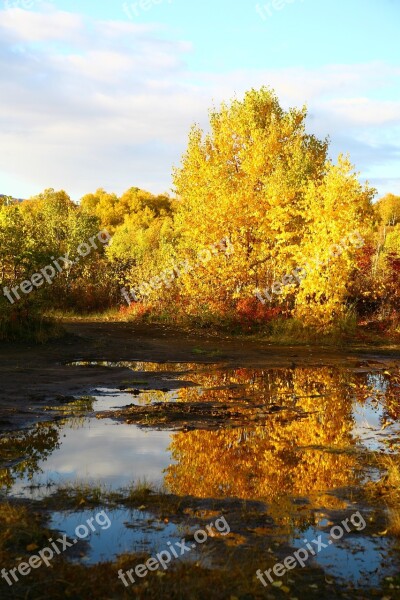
<point x="389" y="485"/>
<point x="394" y="522"/>
<point x="387" y="490"/>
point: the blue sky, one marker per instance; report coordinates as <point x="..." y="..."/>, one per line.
<point x="102" y="94"/>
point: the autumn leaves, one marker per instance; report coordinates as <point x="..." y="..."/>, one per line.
<point x="166" y="277"/>
<point x="300" y="273"/>
<point x="262" y="178"/>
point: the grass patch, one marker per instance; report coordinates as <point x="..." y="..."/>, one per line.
<point x="20" y="529"/>
<point x="293" y="331"/>
<point x="36" y="329"/>
<point x="78" y="496"/>
<point x="202" y="352"/>
<point x="387" y="490"/>
<point x="110" y="315"/>
<point x="72" y="407"/>
<point x="388" y="487"/>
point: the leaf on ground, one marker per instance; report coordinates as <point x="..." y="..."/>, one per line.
<point x="32" y="547"/>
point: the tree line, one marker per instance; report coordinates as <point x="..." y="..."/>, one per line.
<point x="256" y="177"/>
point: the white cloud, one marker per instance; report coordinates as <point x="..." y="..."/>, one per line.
<point x="29" y="26"/>
<point x="365" y="111"/>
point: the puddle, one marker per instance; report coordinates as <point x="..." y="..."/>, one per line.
<point x="343" y="415"/>
<point x="375" y="427"/>
<point x="136" y="365"/>
<point x="356" y="559"/>
<point x="94" y="451"/>
<point x="373" y="430"/>
<point x="129" y="531"/>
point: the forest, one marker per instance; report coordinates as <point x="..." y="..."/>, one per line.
<point x="261" y="232"/>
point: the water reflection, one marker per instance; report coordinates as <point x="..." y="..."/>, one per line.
<point x="282" y="457"/>
<point x="130" y="531"/>
<point x="23" y="454"/>
<point x="357" y="559"/>
<point x="92" y="451"/>
<point x="342" y="413"/>
<point x="318" y="423"/>
<point x="143" y="366"/>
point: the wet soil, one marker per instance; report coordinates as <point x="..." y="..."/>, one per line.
<point x="32" y="376"/>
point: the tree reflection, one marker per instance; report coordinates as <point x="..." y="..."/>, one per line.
<point x="287" y="455"/>
<point x="34" y="446"/>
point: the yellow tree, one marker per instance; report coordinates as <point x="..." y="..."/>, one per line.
<point x="388" y="209"/>
<point x="339" y="215"/>
<point x="105" y="206"/>
<point x="245" y="179"/>
<point x="259" y="178"/>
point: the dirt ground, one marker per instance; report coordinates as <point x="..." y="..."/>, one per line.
<point x="32" y="376"/>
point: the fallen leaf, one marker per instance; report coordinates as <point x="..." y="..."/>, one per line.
<point x="32" y="547"/>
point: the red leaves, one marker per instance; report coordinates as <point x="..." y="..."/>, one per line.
<point x="250" y="311"/>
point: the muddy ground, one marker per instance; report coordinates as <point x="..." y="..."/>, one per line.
<point x="34" y="376"/>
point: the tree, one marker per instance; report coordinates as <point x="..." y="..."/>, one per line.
<point x="142" y="244"/>
<point x="48" y="217"/>
<point x="105" y="206"/>
<point x="259" y="178"/>
<point x="388" y="209"/>
<point x="339" y="216"/>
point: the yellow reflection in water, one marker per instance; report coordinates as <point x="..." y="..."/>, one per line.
<point x="270" y="460"/>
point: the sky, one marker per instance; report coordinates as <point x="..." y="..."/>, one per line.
<point x="103" y="93"/>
